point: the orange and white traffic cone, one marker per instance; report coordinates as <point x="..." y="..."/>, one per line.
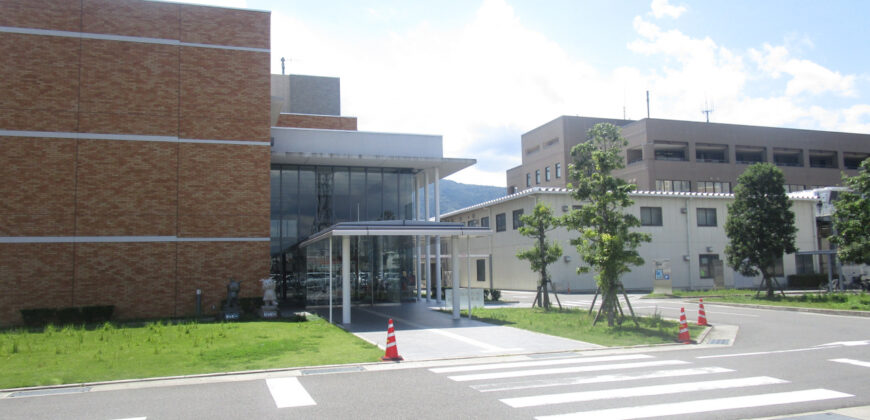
<point x="702" y="314"/>
<point x="684" y="328"/>
<point x="392" y="353"/>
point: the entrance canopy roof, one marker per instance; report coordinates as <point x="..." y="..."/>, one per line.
<point x="397" y="228"/>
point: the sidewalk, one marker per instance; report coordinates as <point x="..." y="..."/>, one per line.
<point x="423" y="333"/>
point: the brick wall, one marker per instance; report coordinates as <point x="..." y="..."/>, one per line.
<point x="61" y="187"/>
<point x="317" y="121"/>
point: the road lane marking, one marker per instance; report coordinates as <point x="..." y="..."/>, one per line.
<point x="510" y="365"/>
<point x="575" y="369"/>
<point x="289" y="392"/>
<point x="641" y="391"/>
<point x="852" y="362"/>
<point x="703" y="406"/>
<point x="580" y="380"/>
<point x="760" y="353"/>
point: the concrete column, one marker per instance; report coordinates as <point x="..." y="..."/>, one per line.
<point x="438" y="239"/>
<point x="427" y="271"/>
<point x="454" y="258"/>
<point x="468" y="271"/>
<point x="345" y="280"/>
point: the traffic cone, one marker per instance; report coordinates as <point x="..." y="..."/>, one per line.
<point x="684" y="328"/>
<point x="392" y="353"/>
<point x="702" y="314"/>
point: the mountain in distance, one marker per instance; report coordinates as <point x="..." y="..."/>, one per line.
<point x="455" y="196"/>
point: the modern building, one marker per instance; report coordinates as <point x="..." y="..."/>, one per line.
<point x="688" y="242"/>
<point x="687" y="156"/>
<point x="146" y="154"/>
<point x="324" y="172"/>
<point x="127" y="177"/>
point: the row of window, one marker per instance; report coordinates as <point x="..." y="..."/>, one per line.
<point x="547" y="177"/>
<point x="671" y="185"/>
<point x="652" y="216"/>
<point x="719" y="153"/>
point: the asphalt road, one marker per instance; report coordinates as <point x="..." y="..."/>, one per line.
<point x="780" y="363"/>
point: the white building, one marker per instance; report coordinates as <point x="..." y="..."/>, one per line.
<point x="688" y="242"/>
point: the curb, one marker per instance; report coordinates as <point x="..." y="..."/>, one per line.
<point x="841" y="312"/>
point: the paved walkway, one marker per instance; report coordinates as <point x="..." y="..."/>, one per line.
<point x="423" y="333"/>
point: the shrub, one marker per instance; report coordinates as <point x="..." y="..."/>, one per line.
<point x="492" y="294"/>
<point x="40" y="317"/>
<point x="806" y="281"/>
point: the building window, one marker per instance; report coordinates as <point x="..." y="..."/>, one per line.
<point x="706" y="264"/>
<point x="500" y="222"/>
<point x="713" y="187"/>
<point x="537" y="176"/>
<point x="481" y="270"/>
<point x="777" y="268"/>
<point x="484" y="221"/>
<point x="673" y="185"/>
<point x="804" y="264"/>
<point x="512" y="190"/>
<point x="793" y="187"/>
<point x="517" y="222"/>
<point x="528" y="180"/>
<point x="472" y="223"/>
<point x="558" y="170"/>
<point x="651" y="216"/>
<point x="547" y="173"/>
<point x="706" y="217"/>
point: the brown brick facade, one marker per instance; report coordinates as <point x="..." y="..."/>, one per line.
<point x="88" y="187"/>
<point x="325" y="122"/>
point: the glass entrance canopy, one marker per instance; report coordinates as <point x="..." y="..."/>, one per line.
<point x="372" y="262"/>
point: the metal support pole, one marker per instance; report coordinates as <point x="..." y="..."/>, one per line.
<point x="454" y="254"/>
<point x="330" y="280"/>
<point x="428" y="270"/>
<point x="417" y="249"/>
<point x="438" y="239"/>
<point x="468" y="271"/>
<point x="345" y="280"/>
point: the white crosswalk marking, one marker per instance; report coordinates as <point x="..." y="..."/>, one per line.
<point x="641" y="391"/>
<point x="575" y="369"/>
<point x="289" y="392"/>
<point x="578" y="380"/>
<point x="852" y="362"/>
<point x="553" y="362"/>
<point x="702" y="406"/>
<point x="645" y="376"/>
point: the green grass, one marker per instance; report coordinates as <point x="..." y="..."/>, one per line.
<point x="74" y="354"/>
<point x="844" y="301"/>
<point x="577" y="325"/>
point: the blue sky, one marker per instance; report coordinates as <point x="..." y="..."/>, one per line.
<point x="481" y="73"/>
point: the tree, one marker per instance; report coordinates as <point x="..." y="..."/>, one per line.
<point x="760" y="225"/>
<point x="544" y="253"/>
<point x="852" y="218"/>
<point x="606" y="243"/>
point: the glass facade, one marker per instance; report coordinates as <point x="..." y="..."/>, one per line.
<point x="308" y="199"/>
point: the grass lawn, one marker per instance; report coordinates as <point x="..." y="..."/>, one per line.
<point x="576" y="324"/>
<point x="845" y="301"/>
<point x="75" y="354"/>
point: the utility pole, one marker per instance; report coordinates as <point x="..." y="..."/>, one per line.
<point x="707" y="110"/>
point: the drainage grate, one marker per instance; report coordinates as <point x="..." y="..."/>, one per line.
<point x="720" y="341"/>
<point x="42" y="392"/>
<point x="332" y="370"/>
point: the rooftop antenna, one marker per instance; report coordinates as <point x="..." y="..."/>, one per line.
<point x="282" y="66"/>
<point x="707" y="110"/>
<point x="647" y="103"/>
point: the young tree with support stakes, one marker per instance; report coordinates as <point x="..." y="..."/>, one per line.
<point x="852" y="218"/>
<point x="760" y="225"/>
<point x="606" y="242"/>
<point x="544" y="253"/>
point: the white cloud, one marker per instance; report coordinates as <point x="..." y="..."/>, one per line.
<point x="806" y="76"/>
<point x="483" y="83"/>
<point x="662" y="8"/>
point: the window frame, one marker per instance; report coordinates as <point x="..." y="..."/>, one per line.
<point x="501" y="222"/>
<point x="706" y="217"/>
<point x="537" y="177"/>
<point x="558" y="170"/>
<point x="484" y="221"/>
<point x="516" y="223"/>
<point x="710" y="273"/>
<point x="547" y="174"/>
<point x="651" y="218"/>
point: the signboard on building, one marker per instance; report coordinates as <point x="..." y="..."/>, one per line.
<point x="662" y="279"/>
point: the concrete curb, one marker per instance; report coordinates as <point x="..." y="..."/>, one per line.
<point x="841" y="312"/>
